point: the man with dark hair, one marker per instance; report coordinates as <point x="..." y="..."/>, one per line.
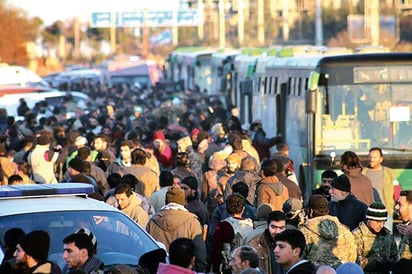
<point x="361" y="186"/>
<point x="259" y="140"/>
<point x="129" y="204"/>
<point x="95" y="172"/>
<point x="244" y="257"/>
<point x="144" y="173"/>
<point x="328" y="242"/>
<point x="158" y="198"/>
<point x="182" y="165"/>
<point x="289" y="248"/>
<point x="77" y="171"/>
<point x="193" y="204"/>
<point x="220" y="213"/>
<point x="15" y="180"/>
<point x="404" y="210"/>
<point x="382" y="179"/>
<point x="270" y="190"/>
<point x="79" y="254"/>
<point x="327" y="177"/>
<point x="349" y="210"/>
<point x="282" y="164"/>
<point x="264" y="243"/>
<point x="101" y="144"/>
<point x="181" y="257"/>
<point x="228" y="233"/>
<point x="31" y="254"/>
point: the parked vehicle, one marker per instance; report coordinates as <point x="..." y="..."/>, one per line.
<point x="63" y="209"/>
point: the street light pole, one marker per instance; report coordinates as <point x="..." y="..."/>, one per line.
<point x="222" y="22"/>
<point x="318" y="23"/>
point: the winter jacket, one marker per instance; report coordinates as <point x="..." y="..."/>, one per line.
<point x="328" y="241"/>
<point x="271" y="191"/>
<point x="377" y="252"/>
<point x="349" y="211"/>
<point x="361" y="186"/>
<point x="264" y="245"/>
<point x="46" y="267"/>
<point x="387" y="188"/>
<point x="148" y="178"/>
<point x="42" y="163"/>
<point x="251" y="178"/>
<point x="8" y="168"/>
<point x="136" y="212"/>
<point x="174" y="221"/>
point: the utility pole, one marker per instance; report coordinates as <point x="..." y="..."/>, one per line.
<point x="222" y="22"/>
<point x="241" y="22"/>
<point x="285" y="21"/>
<point x="261" y="22"/>
<point x="145" y="34"/>
<point x="200" y="28"/>
<point x="372" y="17"/>
<point x="175" y="29"/>
<point x="318" y="23"/>
<point x="77" y="37"/>
<point x="113" y="32"/>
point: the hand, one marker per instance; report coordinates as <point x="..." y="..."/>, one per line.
<point x="405" y="229"/>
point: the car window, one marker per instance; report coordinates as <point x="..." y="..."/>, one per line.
<point x="119" y="239"/>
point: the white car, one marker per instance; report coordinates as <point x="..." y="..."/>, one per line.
<point x="10" y="98"/>
<point x="62" y="209"/>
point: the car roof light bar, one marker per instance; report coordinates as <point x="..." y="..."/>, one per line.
<point x="30" y="190"/>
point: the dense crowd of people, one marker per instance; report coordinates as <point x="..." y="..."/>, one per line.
<point x="222" y="198"/>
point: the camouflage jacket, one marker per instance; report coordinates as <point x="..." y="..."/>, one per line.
<point x="377" y="252"/>
<point x="405" y="248"/>
<point x="328" y="242"/>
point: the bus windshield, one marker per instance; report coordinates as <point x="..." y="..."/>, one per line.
<point x="358" y="117"/>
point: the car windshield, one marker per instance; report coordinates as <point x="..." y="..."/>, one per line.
<point x="119" y="240"/>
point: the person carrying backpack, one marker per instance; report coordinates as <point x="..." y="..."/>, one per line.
<point x="229" y="233"/>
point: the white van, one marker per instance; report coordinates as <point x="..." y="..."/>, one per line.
<point x="10" y="98"/>
<point x="20" y="76"/>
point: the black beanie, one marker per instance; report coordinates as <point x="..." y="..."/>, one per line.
<point x="342" y="183"/>
<point x="36" y="244"/>
<point x="191" y="182"/>
<point x="77" y="164"/>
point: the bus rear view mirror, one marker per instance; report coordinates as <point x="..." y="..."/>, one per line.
<point x="310" y="102"/>
<point x="246" y="87"/>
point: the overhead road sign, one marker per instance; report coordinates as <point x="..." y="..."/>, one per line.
<point x="159" y="18"/>
<point x="104" y="19"/>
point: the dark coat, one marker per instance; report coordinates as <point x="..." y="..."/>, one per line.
<point x="349" y="211"/>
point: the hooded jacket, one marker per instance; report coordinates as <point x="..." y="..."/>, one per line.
<point x="265" y="245"/>
<point x="271" y="191"/>
<point x="174" y="221"/>
<point x="136" y="212"/>
<point x="328" y="241"/>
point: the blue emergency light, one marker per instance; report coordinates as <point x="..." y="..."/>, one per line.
<point x="30" y="190"/>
